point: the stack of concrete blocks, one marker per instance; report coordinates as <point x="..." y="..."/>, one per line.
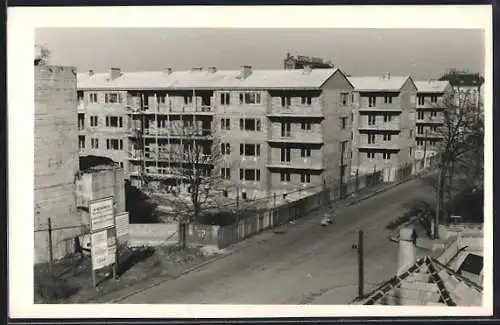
<point x="56" y="161"/>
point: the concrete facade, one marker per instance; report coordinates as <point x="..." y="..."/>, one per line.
<point x="433" y="98"/>
<point x="310" y="124"/>
<point x="384" y="125"/>
<point x="56" y="160"/>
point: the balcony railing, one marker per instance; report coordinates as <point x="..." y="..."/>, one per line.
<point x="388" y="145"/>
<point x="296" y="111"/>
<point x="296" y="164"/>
<point x="430" y="119"/>
<point x="380" y="126"/>
<point x="297" y="137"/>
<point x="203" y="133"/>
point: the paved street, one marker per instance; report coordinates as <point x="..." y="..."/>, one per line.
<point x="308" y="264"/>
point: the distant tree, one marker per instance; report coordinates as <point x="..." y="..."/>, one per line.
<point x="42" y="55"/>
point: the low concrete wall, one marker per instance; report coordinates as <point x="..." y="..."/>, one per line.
<point x="153" y="234"/>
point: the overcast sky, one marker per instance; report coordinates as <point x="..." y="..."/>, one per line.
<point x="422" y="53"/>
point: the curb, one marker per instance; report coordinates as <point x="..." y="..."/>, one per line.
<point x="224" y="255"/>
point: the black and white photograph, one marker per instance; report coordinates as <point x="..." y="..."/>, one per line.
<point x="251" y="163"/>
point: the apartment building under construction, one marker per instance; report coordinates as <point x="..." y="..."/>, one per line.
<point x="383" y="123"/>
<point x="431" y="103"/>
<point x="276" y="130"/>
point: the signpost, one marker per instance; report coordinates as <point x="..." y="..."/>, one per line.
<point x="103" y="236"/>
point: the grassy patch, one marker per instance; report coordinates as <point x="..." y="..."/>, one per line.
<point x="70" y="280"/>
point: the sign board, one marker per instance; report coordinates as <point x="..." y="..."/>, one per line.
<point x="100" y="250"/>
<point x="101" y="214"/>
<point x="122" y="225"/>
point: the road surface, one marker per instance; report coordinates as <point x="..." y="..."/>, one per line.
<point x="308" y="264"/>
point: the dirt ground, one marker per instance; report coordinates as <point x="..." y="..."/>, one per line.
<point x="71" y="280"/>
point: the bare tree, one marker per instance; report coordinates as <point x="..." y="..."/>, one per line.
<point x="460" y="143"/>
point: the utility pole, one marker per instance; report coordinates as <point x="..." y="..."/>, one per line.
<point x="425" y="147"/>
<point x="438" y="204"/>
<point x="51" y="252"/>
<point x="360" y="265"/>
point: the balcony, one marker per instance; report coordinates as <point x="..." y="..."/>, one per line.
<point x="296" y="137"/>
<point x="202" y="134"/>
<point x="386" y="126"/>
<point x="430" y="120"/>
<point x="381" y="145"/>
<point x="429" y="135"/>
<point x="296" y="110"/>
<point x="297" y="163"/>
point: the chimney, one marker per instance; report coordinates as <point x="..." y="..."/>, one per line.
<point x="387" y="75"/>
<point x="407" y="248"/>
<point x="167" y="71"/>
<point x="114" y="73"/>
<point x="307" y="68"/>
<point x="246" y="71"/>
<point x="91" y="72"/>
<point x="196" y="69"/>
<point x="212" y="69"/>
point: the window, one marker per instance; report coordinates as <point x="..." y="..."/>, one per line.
<point x="93" y="98"/>
<point x="411" y="133"/>
<point x="305" y="153"/>
<point x="306" y="100"/>
<point x="352" y="136"/>
<point x="285" y="176"/>
<point x="420" y="129"/>
<point x="225" y="148"/>
<point x="286" y="129"/>
<point x="434" y="128"/>
<point x="371" y="119"/>
<point x="93" y="120"/>
<point x="249" y="174"/>
<point x="114" y="121"/>
<point x="225" y="173"/>
<point x="161" y="99"/>
<point x="305" y="178"/>
<point x="371" y="138"/>
<point x="411" y="152"/>
<point x="370" y="155"/>
<point x="285" y="154"/>
<point x="420" y="142"/>
<point x="386" y="155"/>
<point x="94" y="142"/>
<point x="114" y="144"/>
<point x="250" y="124"/>
<point x="433" y="114"/>
<point x="421" y="100"/>
<point x="306" y="126"/>
<point x="387" y="137"/>
<point x="249" y="150"/>
<point x="188" y="100"/>
<point x="225" y="124"/>
<point x="388" y="99"/>
<point x="344" y="99"/>
<point x="81" y="142"/>
<point x="286" y="101"/>
<point x="112" y="98"/>
<point x="372" y="101"/>
<point x="250" y="98"/>
<point x="121" y="165"/>
<point x="79" y="95"/>
<point x="343" y="122"/>
<point x="225" y="98"/>
<point x="81" y="121"/>
<point x="387" y="118"/>
<point x="420" y="115"/>
<point x="434" y="99"/>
